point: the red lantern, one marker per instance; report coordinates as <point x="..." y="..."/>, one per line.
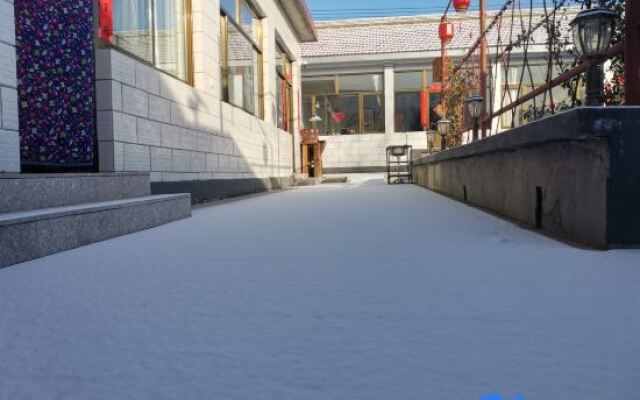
<point x="446" y="31"/>
<point x="461" y="6"/>
<point x="105" y="28"/>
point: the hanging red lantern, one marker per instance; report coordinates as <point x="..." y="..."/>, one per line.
<point x="461" y="6"/>
<point x="446" y="31"/>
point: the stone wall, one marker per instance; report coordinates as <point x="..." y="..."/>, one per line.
<point x="365" y="153"/>
<point x="573" y="175"/>
<point x="9" y="138"/>
<point x="150" y="121"/>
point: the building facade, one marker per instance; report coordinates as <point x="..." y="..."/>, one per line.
<point x="367" y="80"/>
<point x="201" y="94"/>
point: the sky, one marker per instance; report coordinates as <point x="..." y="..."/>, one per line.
<point x="342" y="9"/>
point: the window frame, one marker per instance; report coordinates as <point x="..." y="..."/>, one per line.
<point x="424" y="72"/>
<point x="257" y="46"/>
<point x="188" y="17"/>
<point x="286" y="77"/>
<point x="361" y="100"/>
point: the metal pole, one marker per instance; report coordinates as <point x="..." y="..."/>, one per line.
<point x="443" y="71"/>
<point x="476" y="126"/>
<point x="594" y="96"/>
<point x="483" y="62"/>
<point x="631" y="54"/>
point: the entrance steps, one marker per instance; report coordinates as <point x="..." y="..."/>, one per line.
<point x="42" y="214"/>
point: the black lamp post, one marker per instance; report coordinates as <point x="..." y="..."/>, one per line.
<point x="592" y="31"/>
<point x="475" y="107"/>
<point x="444" y="125"/>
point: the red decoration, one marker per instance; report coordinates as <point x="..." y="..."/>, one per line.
<point x="435" y="87"/>
<point x="338" y="116"/>
<point x="461" y="6"/>
<point x="446" y="31"/>
<point x="105" y="29"/>
<point x="424" y="108"/>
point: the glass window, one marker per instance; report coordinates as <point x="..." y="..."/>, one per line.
<point x="319" y="85"/>
<point x="373" y="113"/>
<point x="154" y="31"/>
<point x="284" y="90"/>
<point x="132" y="28"/>
<point x="229" y="7"/>
<point x="171" y="37"/>
<point x="361" y="83"/>
<point x="241" y="54"/>
<point x="407" y="116"/>
<point x="408" y="81"/>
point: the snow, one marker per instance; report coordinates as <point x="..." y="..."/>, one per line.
<point x="346" y="291"/>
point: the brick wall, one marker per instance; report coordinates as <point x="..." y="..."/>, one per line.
<point x="9" y="138"/>
<point x="150" y="121"/>
<point x="366" y="152"/>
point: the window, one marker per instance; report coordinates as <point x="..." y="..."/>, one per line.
<point x="346" y="104"/>
<point x="241" y="54"/>
<point x="408" y="92"/>
<point x="156" y="31"/>
<point x="284" y="90"/>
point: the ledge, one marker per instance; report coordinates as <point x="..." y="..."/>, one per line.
<point x="585" y="123"/>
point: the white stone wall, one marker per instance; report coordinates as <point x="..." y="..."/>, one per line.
<point x="150" y="121"/>
<point x="9" y="138"/>
<point x="366" y="152"/>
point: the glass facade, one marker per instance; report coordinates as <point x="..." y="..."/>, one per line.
<point x="155" y="31"/>
<point x="241" y="56"/>
<point x="346" y="104"/>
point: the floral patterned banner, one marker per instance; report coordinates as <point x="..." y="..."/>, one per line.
<point x="56" y="83"/>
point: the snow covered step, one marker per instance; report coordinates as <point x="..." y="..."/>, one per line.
<point x="32" y="234"/>
<point x="22" y="192"/>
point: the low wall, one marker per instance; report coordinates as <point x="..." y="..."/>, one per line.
<point x="367" y="152"/>
<point x="575" y="175"/>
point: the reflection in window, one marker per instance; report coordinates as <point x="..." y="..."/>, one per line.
<point x="284" y="90"/>
<point x="171" y="37"/>
<point x="241" y="64"/>
<point x="131" y="28"/>
<point x="162" y="43"/>
<point x="407" y="116"/>
<point x="241" y="54"/>
<point x="346" y="104"/>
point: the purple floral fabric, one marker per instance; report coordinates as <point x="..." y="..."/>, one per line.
<point x="56" y="82"/>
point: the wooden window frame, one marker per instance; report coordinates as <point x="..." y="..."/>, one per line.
<point x="189" y="79"/>
<point x="257" y="45"/>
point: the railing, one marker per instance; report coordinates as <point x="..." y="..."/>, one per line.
<point x="523" y="64"/>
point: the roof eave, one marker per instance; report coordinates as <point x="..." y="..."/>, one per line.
<point x="300" y="19"/>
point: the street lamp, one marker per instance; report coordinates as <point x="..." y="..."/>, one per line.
<point x="444" y="125"/>
<point x="475" y="107"/>
<point x="592" y="32"/>
<point x="315" y="118"/>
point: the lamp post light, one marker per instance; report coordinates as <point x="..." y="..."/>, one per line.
<point x="592" y="32"/>
<point x="475" y="107"/>
<point x="315" y="118"/>
<point x="444" y="125"/>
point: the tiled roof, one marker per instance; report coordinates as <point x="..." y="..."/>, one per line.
<point x="412" y="34"/>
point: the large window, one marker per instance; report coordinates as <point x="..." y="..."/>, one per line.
<point x="241" y="54"/>
<point x="345" y="104"/>
<point x="409" y="87"/>
<point x="156" y="31"/>
<point x="284" y="90"/>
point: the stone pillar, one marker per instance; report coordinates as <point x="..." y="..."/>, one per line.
<point x="389" y="99"/>
<point x="9" y="137"/>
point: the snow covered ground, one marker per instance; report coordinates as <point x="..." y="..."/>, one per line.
<point x="356" y="291"/>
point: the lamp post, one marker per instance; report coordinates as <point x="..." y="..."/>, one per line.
<point x="444" y="125"/>
<point x="592" y="31"/>
<point x="475" y="107"/>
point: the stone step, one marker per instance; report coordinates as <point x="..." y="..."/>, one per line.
<point x="32" y="234"/>
<point x="23" y="192"/>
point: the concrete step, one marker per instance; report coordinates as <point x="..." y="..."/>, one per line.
<point x="23" y="192"/>
<point x="307" y="181"/>
<point x="32" y="234"/>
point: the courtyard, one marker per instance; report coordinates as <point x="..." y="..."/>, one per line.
<point x="343" y="291"/>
